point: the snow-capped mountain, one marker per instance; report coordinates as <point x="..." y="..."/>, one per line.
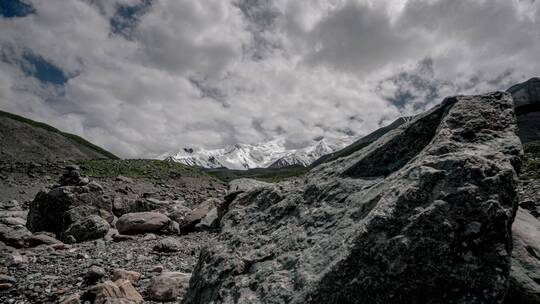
<point x="272" y="154"/>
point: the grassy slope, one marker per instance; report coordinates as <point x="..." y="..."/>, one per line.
<point x="264" y="174"/>
<point x="77" y="139"/>
<point x="531" y="164"/>
<point x="139" y="168"/>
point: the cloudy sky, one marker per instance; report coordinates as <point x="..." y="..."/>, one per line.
<point x="143" y="77"/>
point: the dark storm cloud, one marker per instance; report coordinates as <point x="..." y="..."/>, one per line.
<point x="260" y="16"/>
<point x="361" y="28"/>
<point x="208" y="91"/>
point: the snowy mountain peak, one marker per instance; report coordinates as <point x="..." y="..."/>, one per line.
<point x="272" y="154"/>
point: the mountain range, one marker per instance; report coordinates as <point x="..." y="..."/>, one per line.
<point x="271" y="154"/>
<point x="274" y="154"/>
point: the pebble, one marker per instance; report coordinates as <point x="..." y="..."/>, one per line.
<point x="157" y="268"/>
<point x="131" y="276"/>
<point x="168" y="244"/>
<point x="7" y="279"/>
<point x="94" y="274"/>
<point x="5" y="286"/>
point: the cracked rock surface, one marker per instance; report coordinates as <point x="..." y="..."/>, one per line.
<point x="422" y="215"/>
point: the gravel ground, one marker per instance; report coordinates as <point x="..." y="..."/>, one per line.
<point x="48" y="275"/>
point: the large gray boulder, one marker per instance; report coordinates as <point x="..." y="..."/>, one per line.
<point x="67" y="204"/>
<point x="89" y="228"/>
<point x="12" y="224"/>
<point x="122" y="205"/>
<point x="142" y="222"/>
<point x="422" y="215"/>
<point x="14" y="235"/>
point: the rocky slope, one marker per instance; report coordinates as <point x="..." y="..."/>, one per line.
<point x="80" y="237"/>
<point x="422" y="215"/>
<point x="23" y="140"/>
<point x="527" y="101"/>
<point x="362" y="142"/>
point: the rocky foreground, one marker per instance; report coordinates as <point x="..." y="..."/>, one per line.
<point x="432" y="211"/>
<point x="80" y="240"/>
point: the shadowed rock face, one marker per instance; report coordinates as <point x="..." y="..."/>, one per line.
<point x="527" y="102"/>
<point x="432" y="226"/>
<point x="525" y="275"/>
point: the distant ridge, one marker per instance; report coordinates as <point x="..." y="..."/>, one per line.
<point x="24" y="139"/>
<point x="527" y="103"/>
<point x="362" y="142"/>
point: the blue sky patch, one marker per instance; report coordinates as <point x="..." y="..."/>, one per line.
<point x="127" y="17"/>
<point x="43" y="70"/>
<point x="15" y="8"/>
<point x="34" y="65"/>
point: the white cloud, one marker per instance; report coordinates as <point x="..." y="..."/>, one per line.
<point x="209" y="73"/>
<point x="195" y="36"/>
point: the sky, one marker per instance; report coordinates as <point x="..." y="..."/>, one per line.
<point x="145" y="77"/>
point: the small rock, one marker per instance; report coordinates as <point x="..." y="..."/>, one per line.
<point x="72" y="167"/>
<point x="94" y="274"/>
<point x="121" y="289"/>
<point x="123" y="274"/>
<point x="157" y="268"/>
<point x="178" y="212"/>
<point x="149" y="237"/>
<point x="210" y="220"/>
<point x="122" y="206"/>
<point x="13" y="221"/>
<point x="172" y="228"/>
<point x="168" y="244"/>
<point x="121" y="178"/>
<point x="72" y="299"/>
<point x="110" y="234"/>
<point x="473" y="228"/>
<point x="60" y="246"/>
<point x="5" y="286"/>
<point x="7" y="279"/>
<point x="42" y="239"/>
<point x="123" y="237"/>
<point x="89" y="228"/>
<point x="14" y="235"/>
<point x="17" y="259"/>
<point x="12" y="205"/>
<point x="169" y="286"/>
<point x="70" y="239"/>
